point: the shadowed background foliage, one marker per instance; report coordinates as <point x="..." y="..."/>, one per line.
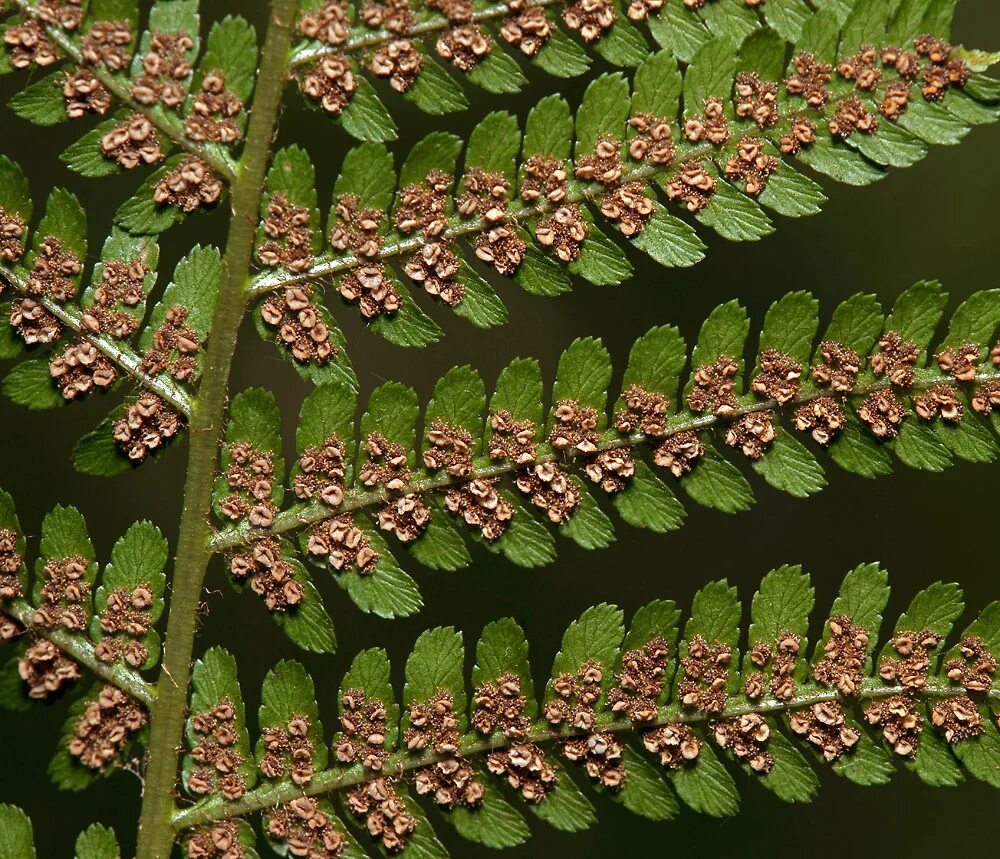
<point x="934" y="220"/>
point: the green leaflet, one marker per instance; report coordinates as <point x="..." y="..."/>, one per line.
<point x="42" y="103"/>
<point x="647" y="502"/>
<point x="856" y="323"/>
<point x="435" y="665"/>
<point x="367" y="172"/>
<point x="287" y="693"/>
<point x="584" y="376"/>
<point x="15" y="192"/>
<point x="17" y="839"/>
<point x="459" y="400"/>
<point x="231" y="47"/>
<point x="97" y="842"/>
<point x="498" y="73"/>
<point x="656" y="361"/>
<point x="917" y="312"/>
<point x="549" y="128"/>
<point x="603" y="110"/>
<point x="435" y="92"/>
<point x="790" y="326"/>
<point x="595" y="637"/>
<point x="214" y="681"/>
<point x="495" y="144"/>
<point x="138" y="560"/>
<point x="561" y="57"/>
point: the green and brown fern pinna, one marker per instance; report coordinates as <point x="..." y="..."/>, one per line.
<point x="642" y="714"/>
<point x="738" y="114"/>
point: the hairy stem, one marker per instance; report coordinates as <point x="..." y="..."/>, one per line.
<point x="80" y="648"/>
<point x="116" y="351"/>
<point x="119" y="87"/>
<point x="335" y="779"/>
<point x="156" y="833"/>
<point x="305" y="514"/>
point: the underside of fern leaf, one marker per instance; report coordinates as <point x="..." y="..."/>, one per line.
<point x="718" y="142"/>
<point x="652" y="715"/>
<point x="718" y="137"/>
<point x="869" y="390"/>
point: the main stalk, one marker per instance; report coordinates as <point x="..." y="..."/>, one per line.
<point x="156" y="834"/>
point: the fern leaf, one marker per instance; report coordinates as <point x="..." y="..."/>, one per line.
<point x="47" y="617"/>
<point x="16" y="835"/>
<point x="86" y="330"/>
<point x="867" y="390"/>
<point x="97" y="842"/>
<point x="634" y="714"/>
<point x="645" y="161"/>
<point x="103" y="64"/>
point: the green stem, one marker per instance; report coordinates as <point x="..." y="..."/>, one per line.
<point x="156" y="833"/>
<point x="305" y="514"/>
<point x="336" y="779"/>
<point x="82" y="650"/>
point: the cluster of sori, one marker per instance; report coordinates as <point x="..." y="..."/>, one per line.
<point x="216" y="753"/>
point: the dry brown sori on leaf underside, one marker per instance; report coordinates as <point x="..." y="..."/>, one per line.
<point x="298" y="322"/>
<point x="363" y="727"/>
<point x="550" y="489"/>
<point x="216" y="754"/>
<point x="165" y="67"/>
<point x="343" y="544"/>
<point x="844" y="653"/>
<point x="321" y="472"/>
<point x="125" y="621"/>
<point x="64" y="597"/>
<point x="147" y="425"/>
<point x="307" y="830"/>
<point x="384" y="813"/>
<point x="107" y="725"/>
<point x="251" y="476"/>
<point x="189" y="186"/>
<point x="45" y="669"/>
<point x="575" y="697"/>
<point x="406" y="517"/>
<point x="289" y="235"/>
<point x="481" y="505"/>
<point x="705" y="675"/>
<point x="288" y="751"/>
<point x="780" y="660"/>
<point x="269" y="574"/>
<point x="122" y="285"/>
<point x="218" y="841"/>
<point x="133" y="142"/>
<point x="500" y="706"/>
<point x="639" y="681"/>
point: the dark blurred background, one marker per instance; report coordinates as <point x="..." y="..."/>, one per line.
<point x="935" y="220"/>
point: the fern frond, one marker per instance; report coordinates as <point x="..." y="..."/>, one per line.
<point x="96" y="626"/>
<point x="650" y="716"/>
<point x="872" y="393"/>
<point x="339" y="53"/>
<point x="86" y="330"/>
<point x="115" y="63"/>
<point x="717" y="142"/>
